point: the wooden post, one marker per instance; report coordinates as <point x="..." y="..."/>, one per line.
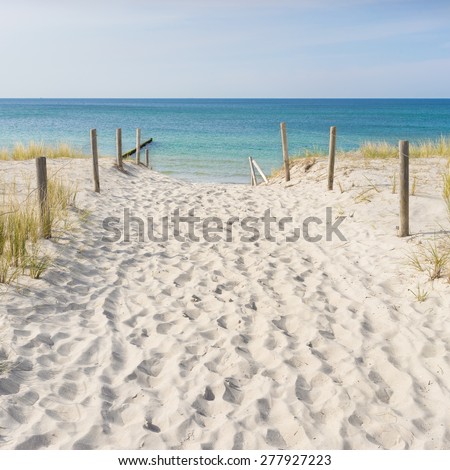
<point x="133" y="151"/>
<point x="147" y="158"/>
<point x="252" y="172"/>
<point x="284" y="145"/>
<point x="41" y="171"/>
<point x="138" y="146"/>
<point x="119" y="149"/>
<point x="95" y="160"/>
<point x="331" y="157"/>
<point x="404" y="188"/>
<point x="263" y="176"/>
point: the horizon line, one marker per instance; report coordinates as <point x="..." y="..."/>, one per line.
<point x="223" y="98"/>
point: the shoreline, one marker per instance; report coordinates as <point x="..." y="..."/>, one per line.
<point x="209" y="134"/>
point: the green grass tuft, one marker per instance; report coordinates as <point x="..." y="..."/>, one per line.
<point x="421" y="294"/>
<point x="20" y="228"/>
<point x="31" y="150"/>
<point x="446" y="188"/>
<point x="423" y="149"/>
<point x="375" y="150"/>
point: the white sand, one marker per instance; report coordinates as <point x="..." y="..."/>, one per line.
<point x="257" y="345"/>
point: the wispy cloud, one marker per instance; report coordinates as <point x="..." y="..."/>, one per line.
<point x="375" y="31"/>
<point x="221" y="48"/>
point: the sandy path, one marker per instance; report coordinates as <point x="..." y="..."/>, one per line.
<point x="189" y="345"/>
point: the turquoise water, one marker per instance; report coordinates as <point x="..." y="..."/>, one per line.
<point x="210" y="139"/>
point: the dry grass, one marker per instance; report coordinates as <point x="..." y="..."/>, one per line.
<point x="375" y="150"/>
<point x="414" y="186"/>
<point x="20" y="228"/>
<point x="431" y="148"/>
<point x="31" y="150"/>
<point x="394" y="184"/>
<point x="308" y="159"/>
<point x="313" y="153"/>
<point x="423" y="149"/>
<point x="420" y="294"/>
<point x="446" y="187"/>
<point x="432" y="258"/>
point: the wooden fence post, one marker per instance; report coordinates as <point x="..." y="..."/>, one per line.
<point x="147" y="158"/>
<point x="252" y="172"/>
<point x="331" y="157"/>
<point x="404" y="188"/>
<point x="138" y="146"/>
<point x="41" y="171"/>
<point x="263" y="176"/>
<point x="284" y="145"/>
<point x="119" y="149"/>
<point x="95" y="160"/>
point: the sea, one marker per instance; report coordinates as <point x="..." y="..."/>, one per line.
<point x="210" y="140"/>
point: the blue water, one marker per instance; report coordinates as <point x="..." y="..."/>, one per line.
<point x="210" y="139"/>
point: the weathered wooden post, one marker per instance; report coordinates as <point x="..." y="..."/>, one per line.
<point x="41" y="171"/>
<point x="138" y="146"/>
<point x="263" y="176"/>
<point x="284" y="145"/>
<point x="147" y="158"/>
<point x="331" y="157"/>
<point x="119" y="149"/>
<point x="252" y="172"/>
<point x="95" y="160"/>
<point x="404" y="188"/>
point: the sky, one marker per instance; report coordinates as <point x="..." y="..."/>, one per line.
<point x="224" y="49"/>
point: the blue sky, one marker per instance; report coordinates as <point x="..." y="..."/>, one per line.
<point x="229" y="48"/>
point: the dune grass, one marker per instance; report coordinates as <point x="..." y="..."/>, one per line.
<point x="423" y="149"/>
<point x="381" y="150"/>
<point x="430" y="148"/>
<point x="373" y="150"/>
<point x="21" y="250"/>
<point x="433" y="257"/>
<point x="446" y="187"/>
<point x="309" y="156"/>
<point x="315" y="152"/>
<point x="33" y="149"/>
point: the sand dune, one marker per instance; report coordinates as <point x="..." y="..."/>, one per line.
<point x="219" y="345"/>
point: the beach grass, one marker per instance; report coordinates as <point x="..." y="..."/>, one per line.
<point x="432" y="258"/>
<point x="34" y="149"/>
<point x="307" y="156"/>
<point x="375" y="150"/>
<point x="446" y="187"/>
<point x="20" y="227"/>
<point x="422" y="149"/>
<point x="420" y="294"/>
<point x="315" y="152"/>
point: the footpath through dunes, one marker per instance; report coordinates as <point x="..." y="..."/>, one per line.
<point x="260" y="344"/>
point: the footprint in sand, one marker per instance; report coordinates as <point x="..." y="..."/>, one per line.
<point x="384" y="392"/>
<point x="208" y="395"/>
<point x="152" y="367"/>
<point x="35" y="442"/>
<point x="233" y="393"/>
<point x="238" y="441"/>
<point x="302" y="390"/>
<point x="275" y="439"/>
<point x="263" y="407"/>
<point x="68" y="391"/>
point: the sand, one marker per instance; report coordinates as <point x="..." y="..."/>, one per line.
<point x="231" y="345"/>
